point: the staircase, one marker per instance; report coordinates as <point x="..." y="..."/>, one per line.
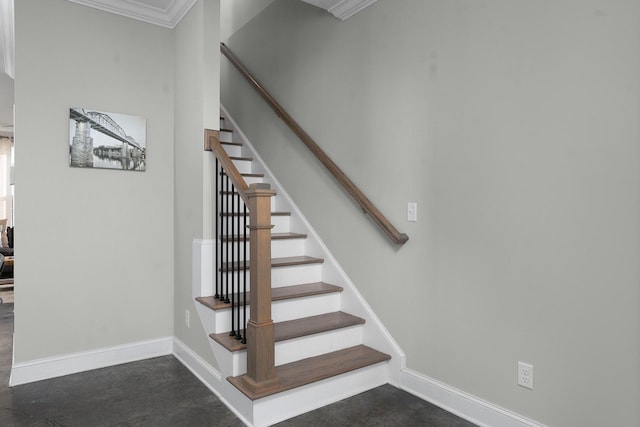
<point x="328" y="343"/>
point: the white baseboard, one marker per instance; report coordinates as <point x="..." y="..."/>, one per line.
<point x="462" y="404"/>
<point x="206" y="373"/>
<point x="209" y="376"/>
<point x="446" y="397"/>
<point x="51" y="367"/>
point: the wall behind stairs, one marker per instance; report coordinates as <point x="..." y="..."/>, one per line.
<point x="94" y="261"/>
<point x="197" y="106"/>
<point x="514" y="126"/>
<point x="235" y="14"/>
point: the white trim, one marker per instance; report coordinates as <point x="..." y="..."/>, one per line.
<point x="7" y="37"/>
<point x="51" y="367"/>
<point x="347" y="8"/>
<point x="341" y="9"/>
<point x="206" y="373"/>
<point x="202" y="267"/>
<point x="168" y="17"/>
<point x="462" y="404"/>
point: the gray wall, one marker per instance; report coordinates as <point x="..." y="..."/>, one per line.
<point x="94" y="263"/>
<point x="197" y="103"/>
<point x="514" y="126"/>
<point x="234" y="14"/>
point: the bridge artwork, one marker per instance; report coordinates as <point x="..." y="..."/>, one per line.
<point x="106" y="140"/>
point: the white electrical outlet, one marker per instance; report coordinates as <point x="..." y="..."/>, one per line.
<point x="412" y="212"/>
<point x="187" y="318"/>
<point x="525" y="375"/>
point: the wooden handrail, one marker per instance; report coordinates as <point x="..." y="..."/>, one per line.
<point x="357" y="195"/>
<point x="212" y="143"/>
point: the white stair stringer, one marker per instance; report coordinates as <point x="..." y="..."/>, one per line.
<point x="284" y="405"/>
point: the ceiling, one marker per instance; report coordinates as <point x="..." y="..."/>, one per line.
<point x="166" y="13"/>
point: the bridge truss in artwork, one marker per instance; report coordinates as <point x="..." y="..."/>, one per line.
<point x="106" y="140"/>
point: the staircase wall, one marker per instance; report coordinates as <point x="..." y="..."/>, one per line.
<point x="514" y="128"/>
<point x="196" y="108"/>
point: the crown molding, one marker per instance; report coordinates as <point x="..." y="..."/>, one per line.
<point x="341" y="9"/>
<point x="142" y="10"/>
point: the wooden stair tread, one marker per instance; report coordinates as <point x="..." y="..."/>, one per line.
<point x="243" y="159"/>
<point x="275" y="262"/>
<point x="226" y="130"/>
<point x="238" y="144"/>
<point x="277" y="294"/>
<point x="247" y="214"/>
<point x="274" y="236"/>
<point x="313" y="369"/>
<point x="296" y="328"/>
<point x="247" y="174"/>
<point x="295" y="260"/>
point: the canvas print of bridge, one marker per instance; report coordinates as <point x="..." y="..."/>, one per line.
<point x="98" y="139"/>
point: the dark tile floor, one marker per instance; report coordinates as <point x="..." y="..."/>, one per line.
<point x="162" y="392"/>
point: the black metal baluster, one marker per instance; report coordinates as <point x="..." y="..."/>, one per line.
<point x="223" y="227"/>
<point x="239" y="242"/>
<point x="230" y="265"/>
<point x="218" y="236"/>
<point x="244" y="285"/>
<point x="234" y="276"/>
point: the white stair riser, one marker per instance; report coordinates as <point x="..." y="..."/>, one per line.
<point x="226" y="136"/>
<point x="305" y="307"/>
<point x="223" y="320"/>
<point x="317" y="344"/>
<point x="294" y="275"/>
<point x="243" y="166"/>
<point x="283" y="310"/>
<point x="233" y="150"/>
<point x="280" y="248"/>
<point x="281" y="224"/>
<point x="253" y="180"/>
<point x="300" y="348"/>
<point x="231" y="205"/>
<point x="285" y="276"/>
<point x="248" y="179"/>
<point x="288" y="404"/>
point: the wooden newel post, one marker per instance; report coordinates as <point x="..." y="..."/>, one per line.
<point x="261" y="370"/>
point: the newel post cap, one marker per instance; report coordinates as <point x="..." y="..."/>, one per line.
<point x="261" y="189"/>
